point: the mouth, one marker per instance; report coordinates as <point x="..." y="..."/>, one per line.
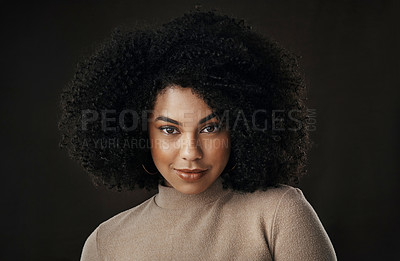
<point x="190" y="175"/>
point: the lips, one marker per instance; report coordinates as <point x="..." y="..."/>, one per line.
<point x="190" y="171"/>
<point x="190" y="175"/>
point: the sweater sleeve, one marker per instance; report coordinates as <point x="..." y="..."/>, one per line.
<point x="90" y="249"/>
<point x="297" y="232"/>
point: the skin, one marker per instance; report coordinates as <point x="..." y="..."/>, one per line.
<point x="184" y="135"/>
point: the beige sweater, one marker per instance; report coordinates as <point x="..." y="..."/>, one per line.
<point x="277" y="224"/>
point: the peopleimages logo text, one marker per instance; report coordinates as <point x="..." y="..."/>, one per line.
<point x="277" y="120"/>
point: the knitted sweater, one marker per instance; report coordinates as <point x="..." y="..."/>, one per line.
<point x="217" y="224"/>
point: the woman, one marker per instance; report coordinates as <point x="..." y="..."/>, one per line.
<point x="211" y="114"/>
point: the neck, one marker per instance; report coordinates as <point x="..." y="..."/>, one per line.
<point x="169" y="197"/>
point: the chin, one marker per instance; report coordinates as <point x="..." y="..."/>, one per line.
<point x="192" y="188"/>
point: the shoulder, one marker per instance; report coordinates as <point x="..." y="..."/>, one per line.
<point x="292" y="227"/>
<point x="271" y="198"/>
<point x="113" y="228"/>
<point x="266" y="206"/>
<point x="276" y="208"/>
<point x="114" y="224"/>
<point x="279" y="205"/>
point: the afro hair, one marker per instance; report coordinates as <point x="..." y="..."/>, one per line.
<point x="246" y="79"/>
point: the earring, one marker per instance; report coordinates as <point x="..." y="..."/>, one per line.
<point x="148" y="172"/>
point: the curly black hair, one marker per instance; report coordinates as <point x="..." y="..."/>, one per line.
<point x="247" y="79"/>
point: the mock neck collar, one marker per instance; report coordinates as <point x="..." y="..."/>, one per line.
<point x="171" y="198"/>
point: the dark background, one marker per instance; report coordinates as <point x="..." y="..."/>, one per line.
<point x="351" y="64"/>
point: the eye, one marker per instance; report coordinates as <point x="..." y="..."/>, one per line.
<point x="210" y="129"/>
<point x="169" y="130"/>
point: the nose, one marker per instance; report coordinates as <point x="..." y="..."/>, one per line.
<point x="190" y="148"/>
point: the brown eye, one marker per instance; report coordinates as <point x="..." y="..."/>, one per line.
<point x="210" y="129"/>
<point x="169" y="130"/>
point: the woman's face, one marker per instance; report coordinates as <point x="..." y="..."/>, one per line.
<point x="188" y="148"/>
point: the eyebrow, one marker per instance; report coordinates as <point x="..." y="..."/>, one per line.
<point x="163" y="118"/>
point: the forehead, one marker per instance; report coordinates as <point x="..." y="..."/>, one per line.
<point x="180" y="104"/>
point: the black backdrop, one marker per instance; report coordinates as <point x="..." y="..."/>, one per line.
<point x="351" y="64"/>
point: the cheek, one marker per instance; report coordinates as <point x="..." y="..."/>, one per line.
<point x="218" y="150"/>
<point x="162" y="151"/>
